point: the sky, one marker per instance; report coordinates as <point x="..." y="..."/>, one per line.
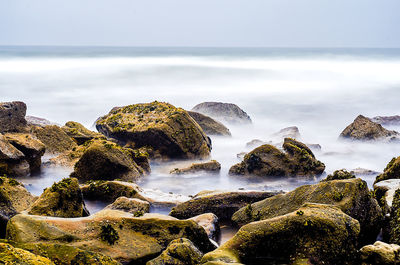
<point x="201" y="23"/>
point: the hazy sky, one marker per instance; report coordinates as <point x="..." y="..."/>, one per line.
<point x="297" y="23"/>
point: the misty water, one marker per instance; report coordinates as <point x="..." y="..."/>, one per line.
<point x="320" y="91"/>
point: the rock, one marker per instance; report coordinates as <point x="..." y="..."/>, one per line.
<point x="363" y="171"/>
<point x="32" y="148"/>
<point x="54" y="138"/>
<point x="256" y="142"/>
<point x="314" y="147"/>
<point x="14" y="198"/>
<point x="311" y="234"/>
<point x="158" y="198"/>
<point x="10" y="255"/>
<point x="392" y="170"/>
<point x="134" y="206"/>
<point x="267" y="160"/>
<point x="211" y="167"/>
<point x="380" y="253"/>
<point x="209" y="125"/>
<point x="288" y="132"/>
<point x="210" y="223"/>
<point x="12" y="160"/>
<point x="223" y="112"/>
<point x="339" y="174"/>
<point x="241" y="155"/>
<point x="366" y="130"/>
<point x="12" y="116"/>
<point x="62" y="199"/>
<point x="387" y="120"/>
<point x="392" y="232"/>
<point x="352" y="196"/>
<point x="384" y="191"/>
<point x="221" y="203"/>
<point x="105" y="160"/>
<point x="179" y="252"/>
<point x="168" y="130"/>
<point x="40" y="122"/>
<point x="79" y="133"/>
<point x="116" y="234"/>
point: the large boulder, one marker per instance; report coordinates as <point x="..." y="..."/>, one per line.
<point x="179" y="252"/>
<point x="10" y="255"/>
<point x="109" y="191"/>
<point x="134" y="206"/>
<point x="116" y="234"/>
<point x="212" y="166"/>
<point x="12" y="160"/>
<point x="32" y="148"/>
<point x="392" y="170"/>
<point x="54" y="138"/>
<point x="209" y="125"/>
<point x="169" y="131"/>
<point x="362" y="128"/>
<point x="78" y="132"/>
<point x="105" y="160"/>
<point x="352" y="196"/>
<point x="380" y="253"/>
<point x="62" y="199"/>
<point x="221" y="203"/>
<point x="12" y="116"/>
<point x="14" y="198"/>
<point x="311" y="234"/>
<point x="224" y="112"/>
<point x="267" y="160"/>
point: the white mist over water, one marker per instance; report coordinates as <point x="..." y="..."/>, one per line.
<point x="319" y="91"/>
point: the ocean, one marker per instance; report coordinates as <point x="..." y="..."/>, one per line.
<point x="318" y="90"/>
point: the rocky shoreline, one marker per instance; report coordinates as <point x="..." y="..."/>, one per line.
<point x="335" y="221"/>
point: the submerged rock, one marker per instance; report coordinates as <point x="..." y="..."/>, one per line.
<point x="340" y="174"/>
<point x="221" y="203"/>
<point x="212" y="167"/>
<point x="113" y="233"/>
<point x="352" y="196"/>
<point x="267" y="160"/>
<point x="62" y="199"/>
<point x="169" y="131"/>
<point x="209" y="125"/>
<point x="54" y="138"/>
<point x="12" y="116"/>
<point x="380" y="253"/>
<point x="363" y="171"/>
<point x="387" y="120"/>
<point x="392" y="170"/>
<point x="179" y="252"/>
<point x="79" y="133"/>
<point x="10" y="256"/>
<point x="134" y="206"/>
<point x="105" y="160"/>
<point x="364" y="129"/>
<point x="311" y="234"/>
<point x="224" y="112"/>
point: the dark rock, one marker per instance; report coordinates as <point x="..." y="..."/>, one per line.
<point x="339" y="174"/>
<point x="392" y="170"/>
<point x="209" y="125"/>
<point x="223" y="112"/>
<point x="12" y="116"/>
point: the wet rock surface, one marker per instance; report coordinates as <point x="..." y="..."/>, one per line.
<point x="212" y="166"/>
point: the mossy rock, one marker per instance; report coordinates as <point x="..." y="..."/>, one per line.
<point x="209" y="125"/>
<point x="105" y="160"/>
<point x="179" y="252"/>
<point x="212" y="166"/>
<point x="392" y="170"/>
<point x="134" y="206"/>
<point x="380" y="253"/>
<point x="222" y="204"/>
<point x="114" y="233"/>
<point x="269" y="161"/>
<point x="10" y="255"/>
<point x="14" y="198"/>
<point x="109" y="191"/>
<point x="169" y="131"/>
<point x="54" y="138"/>
<point x="62" y="199"/>
<point x="364" y="129"/>
<point x="312" y="234"/>
<point x="32" y="148"/>
<point x="79" y="133"/>
<point x="352" y="196"/>
<point x="340" y="174"/>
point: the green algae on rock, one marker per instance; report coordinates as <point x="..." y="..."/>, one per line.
<point x="267" y="160"/>
<point x="339" y="174"/>
<point x="352" y="196"/>
<point x="62" y="199"/>
<point x="380" y="253"/>
<point x="179" y="252"/>
<point x="392" y="170"/>
<point x="169" y="131"/>
<point x="109" y="191"/>
<point x="10" y="255"/>
<point x="321" y="234"/>
<point x="79" y="133"/>
<point x="54" y="138"/>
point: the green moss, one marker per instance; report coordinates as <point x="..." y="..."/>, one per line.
<point x="109" y="234"/>
<point x="138" y="213"/>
